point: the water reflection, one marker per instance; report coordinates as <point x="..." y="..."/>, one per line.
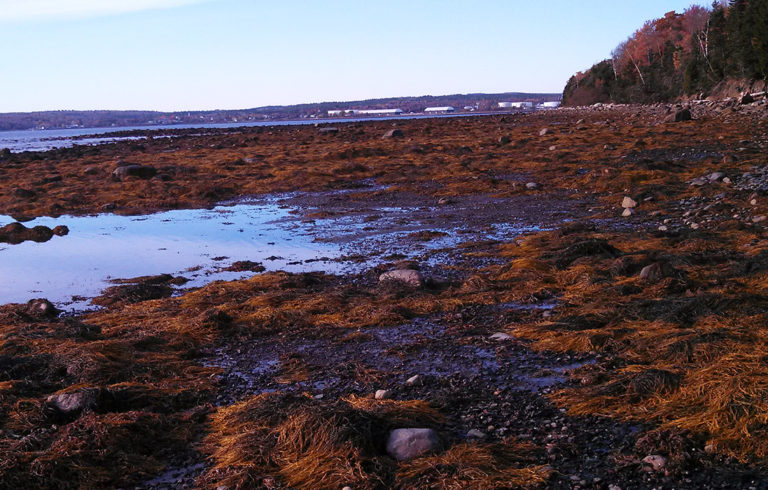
<point x="107" y="246"/>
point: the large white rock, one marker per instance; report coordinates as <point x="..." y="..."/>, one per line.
<point x="628" y="202"/>
<point x="382" y="394"/>
<point x="407" y="276"/>
<point x="404" y="444"/>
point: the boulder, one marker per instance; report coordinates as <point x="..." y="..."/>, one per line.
<point x="15" y="233"/>
<point x="532" y="186"/>
<point x="405" y="444"/>
<point x="545" y="132"/>
<point x="409" y="277"/>
<point x="393" y="133"/>
<point x="413" y="380"/>
<point x="382" y="394"/>
<point x="60" y="230"/>
<point x="656" y="272"/>
<point x="74" y="403"/>
<point x="715" y="176"/>
<point x="746" y="99"/>
<point x="140" y="171"/>
<point x="681" y="116"/>
<point x="655" y="461"/>
<point x="500" y="336"/>
<point x="41" y="307"/>
<point x="503" y="140"/>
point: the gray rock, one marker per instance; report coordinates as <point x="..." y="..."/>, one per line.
<point x="406" y="276"/>
<point x="545" y="132"/>
<point x="532" y="186"/>
<point x="680" y="116"/>
<point x="393" y="133"/>
<point x="656" y="272"/>
<point x="72" y="403"/>
<point x="500" y="336"/>
<point x="715" y="176"/>
<point x="413" y="380"/>
<point x="475" y="434"/>
<point x="382" y="394"/>
<point x="405" y="444"/>
<point x="627" y="212"/>
<point x="699" y="181"/>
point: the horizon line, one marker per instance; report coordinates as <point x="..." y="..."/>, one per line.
<point x="559" y="94"/>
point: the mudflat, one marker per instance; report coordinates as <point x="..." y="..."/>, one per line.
<point x="571" y="298"/>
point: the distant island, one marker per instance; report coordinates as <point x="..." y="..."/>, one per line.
<point x="108" y="118"/>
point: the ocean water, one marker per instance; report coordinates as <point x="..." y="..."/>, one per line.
<point x="48" y="139"/>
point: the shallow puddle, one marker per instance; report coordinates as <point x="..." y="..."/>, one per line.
<point x="275" y="231"/>
<point x="197" y="244"/>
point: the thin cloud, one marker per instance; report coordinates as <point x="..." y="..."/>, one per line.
<point x="25" y="10"/>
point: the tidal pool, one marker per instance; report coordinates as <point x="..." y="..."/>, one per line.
<point x="276" y="231"/>
<point x="196" y="244"/>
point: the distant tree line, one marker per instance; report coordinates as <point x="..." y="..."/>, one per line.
<point x="97" y="119"/>
<point x="680" y="54"/>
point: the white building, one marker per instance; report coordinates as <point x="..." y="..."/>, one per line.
<point x="550" y="105"/>
<point x="376" y="112"/>
<point x="440" y="109"/>
<point x="364" y="112"/>
<point x="516" y="105"/>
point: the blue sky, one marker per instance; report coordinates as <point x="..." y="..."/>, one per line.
<point x="229" y="54"/>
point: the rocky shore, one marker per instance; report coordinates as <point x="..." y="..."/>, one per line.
<point x="619" y="345"/>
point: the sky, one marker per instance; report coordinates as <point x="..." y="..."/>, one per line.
<point x="175" y="55"/>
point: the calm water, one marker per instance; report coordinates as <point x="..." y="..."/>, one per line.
<point x="199" y="243"/>
<point x="103" y="247"/>
<point x="48" y="139"/>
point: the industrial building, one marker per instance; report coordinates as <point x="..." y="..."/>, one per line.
<point x="550" y="105"/>
<point x="439" y="109"/>
<point x="516" y="105"/>
<point x="364" y="112"/>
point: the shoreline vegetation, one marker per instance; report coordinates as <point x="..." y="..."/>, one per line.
<point x="702" y="53"/>
<point x="622" y="346"/>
